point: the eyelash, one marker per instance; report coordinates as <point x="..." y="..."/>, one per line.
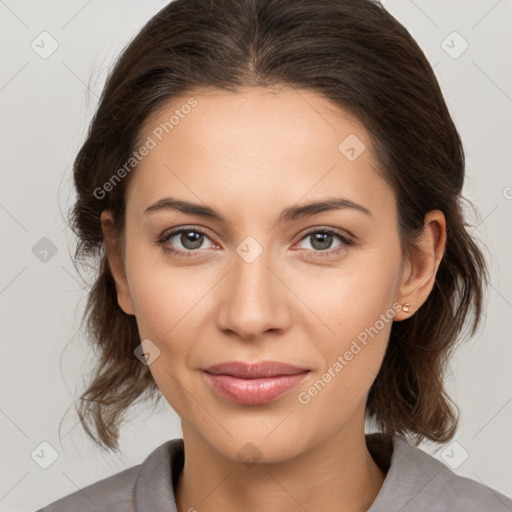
<point x="346" y="240"/>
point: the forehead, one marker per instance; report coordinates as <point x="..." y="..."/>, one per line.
<point x="258" y="145"/>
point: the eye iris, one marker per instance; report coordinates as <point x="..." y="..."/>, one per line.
<point x="191" y="237"/>
<point x="319" y="240"/>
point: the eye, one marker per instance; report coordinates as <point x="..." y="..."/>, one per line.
<point x="190" y="240"/>
<point x="321" y="241"/>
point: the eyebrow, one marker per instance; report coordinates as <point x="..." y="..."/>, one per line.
<point x="287" y="215"/>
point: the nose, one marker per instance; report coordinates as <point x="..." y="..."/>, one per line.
<point x="254" y="297"/>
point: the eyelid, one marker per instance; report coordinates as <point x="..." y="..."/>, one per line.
<point x="337" y="231"/>
<point x="198" y="229"/>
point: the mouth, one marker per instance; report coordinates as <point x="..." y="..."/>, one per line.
<point x="256" y="383"/>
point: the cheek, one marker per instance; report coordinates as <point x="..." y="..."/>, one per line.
<point x="166" y="298"/>
<point x="355" y="305"/>
<point x="352" y="297"/>
<point x="168" y="308"/>
<point x="352" y="359"/>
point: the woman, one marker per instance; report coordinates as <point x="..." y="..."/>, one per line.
<point x="273" y="188"/>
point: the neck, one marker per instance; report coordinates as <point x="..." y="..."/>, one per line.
<point x="337" y="474"/>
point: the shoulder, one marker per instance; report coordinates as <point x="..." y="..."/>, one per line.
<point x="417" y="481"/>
<point x="451" y="492"/>
<point x="116" y="490"/>
<point x="124" y="490"/>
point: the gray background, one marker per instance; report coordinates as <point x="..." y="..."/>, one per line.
<point x="46" y="104"/>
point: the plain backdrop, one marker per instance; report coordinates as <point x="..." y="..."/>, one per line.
<point x="46" y="103"/>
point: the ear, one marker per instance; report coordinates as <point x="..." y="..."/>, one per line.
<point x="116" y="263"/>
<point x="420" y="268"/>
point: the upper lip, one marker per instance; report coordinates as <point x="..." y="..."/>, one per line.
<point x="260" y="369"/>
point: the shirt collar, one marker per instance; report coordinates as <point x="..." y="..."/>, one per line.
<point x="408" y="471"/>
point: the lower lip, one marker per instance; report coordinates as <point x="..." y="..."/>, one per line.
<point x="254" y="391"/>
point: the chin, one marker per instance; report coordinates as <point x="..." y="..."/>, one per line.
<point x="254" y="446"/>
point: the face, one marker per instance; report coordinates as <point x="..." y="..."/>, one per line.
<point x="316" y="290"/>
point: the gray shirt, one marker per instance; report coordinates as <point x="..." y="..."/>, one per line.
<point x="415" y="482"/>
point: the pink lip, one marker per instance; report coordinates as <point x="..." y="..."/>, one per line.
<point x="256" y="383"/>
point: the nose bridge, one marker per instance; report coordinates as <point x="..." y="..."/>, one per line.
<point x="254" y="300"/>
<point x="251" y="269"/>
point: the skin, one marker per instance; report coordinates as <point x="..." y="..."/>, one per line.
<point x="250" y="155"/>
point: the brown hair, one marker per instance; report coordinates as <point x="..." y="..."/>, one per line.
<point x="352" y="52"/>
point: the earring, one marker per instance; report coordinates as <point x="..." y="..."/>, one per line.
<point x="405" y="307"/>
